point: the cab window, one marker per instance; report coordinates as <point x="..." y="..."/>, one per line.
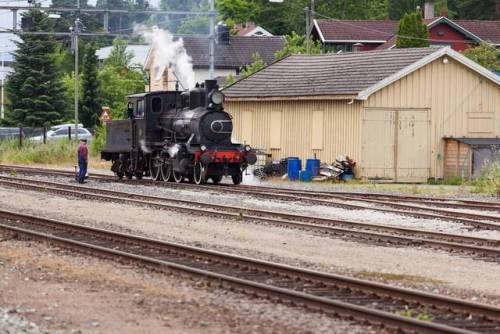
<point x="140" y="108"/>
<point x="156" y="104"/>
<point x="130" y="110"/>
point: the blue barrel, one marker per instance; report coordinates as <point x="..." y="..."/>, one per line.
<point x="312" y="165"/>
<point x="305" y="176"/>
<point x="294" y="167"/>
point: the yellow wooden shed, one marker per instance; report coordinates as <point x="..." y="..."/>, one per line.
<point x="390" y="110"/>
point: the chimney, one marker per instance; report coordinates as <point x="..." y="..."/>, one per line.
<point x="223" y="33"/>
<point x="429" y="10"/>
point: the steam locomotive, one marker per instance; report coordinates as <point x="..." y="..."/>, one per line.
<point x="177" y="136"/>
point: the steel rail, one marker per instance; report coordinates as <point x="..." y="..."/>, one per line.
<point x="417" y="199"/>
<point x="328" y="292"/>
<point x="407" y="209"/>
<point x="488" y="249"/>
<point x="434" y="201"/>
<point x="471" y="219"/>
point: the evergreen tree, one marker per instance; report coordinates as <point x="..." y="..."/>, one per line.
<point x="90" y="104"/>
<point x="34" y="88"/>
<point x="412" y="32"/>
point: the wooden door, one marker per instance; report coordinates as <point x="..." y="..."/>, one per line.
<point x="412" y="143"/>
<point x="395" y="145"/>
<point x="377" y="147"/>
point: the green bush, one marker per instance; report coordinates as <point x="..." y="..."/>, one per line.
<point x="54" y="152"/>
<point x="489" y="182"/>
<point x="99" y="140"/>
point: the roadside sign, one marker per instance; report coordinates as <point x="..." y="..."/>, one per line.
<point x="105" y="115"/>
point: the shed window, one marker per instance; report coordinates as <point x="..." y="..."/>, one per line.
<point x="156" y="104"/>
<point x="140" y="109"/>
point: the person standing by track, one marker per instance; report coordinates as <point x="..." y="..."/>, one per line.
<point x="83" y="158"/>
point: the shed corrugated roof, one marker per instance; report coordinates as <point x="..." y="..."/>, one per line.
<point x="328" y="74"/>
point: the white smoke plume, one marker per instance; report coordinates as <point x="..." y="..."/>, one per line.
<point x="169" y="53"/>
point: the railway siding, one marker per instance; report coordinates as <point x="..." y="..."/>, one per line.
<point x="340" y="295"/>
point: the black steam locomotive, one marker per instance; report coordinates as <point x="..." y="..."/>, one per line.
<point x="177" y="136"/>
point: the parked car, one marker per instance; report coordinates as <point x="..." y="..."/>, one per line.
<point x="72" y="125"/>
<point x="62" y="132"/>
<point x="9" y="133"/>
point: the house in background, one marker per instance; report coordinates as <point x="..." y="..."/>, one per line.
<point x="365" y="35"/>
<point x="405" y="115"/>
<point x="231" y="53"/>
<point x="250" y="29"/>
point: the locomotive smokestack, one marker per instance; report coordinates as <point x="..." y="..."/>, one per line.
<point x="210" y="85"/>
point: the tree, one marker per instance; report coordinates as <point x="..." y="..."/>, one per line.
<point x="296" y="44"/>
<point x="412" y="32"/>
<point x="485" y="55"/>
<point x="398" y="8"/>
<point x="90" y="103"/>
<point x="238" y="11"/>
<point x="118" y="78"/>
<point x="478" y="10"/>
<point x="34" y="88"/>
<point x="119" y="57"/>
<point x="257" y="64"/>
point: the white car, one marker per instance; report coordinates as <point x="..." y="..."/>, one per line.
<point x="61" y="132"/>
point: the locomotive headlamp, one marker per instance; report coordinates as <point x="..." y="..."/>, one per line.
<point x="203" y="148"/>
<point x="217" y="97"/>
<point x="248" y="148"/>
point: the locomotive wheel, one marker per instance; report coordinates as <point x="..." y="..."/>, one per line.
<point x="138" y="175"/>
<point x="166" y="171"/>
<point x="155" y="169"/>
<point x="216" y="179"/>
<point x="129" y="176"/>
<point x="119" y="175"/>
<point x="199" y="173"/>
<point x="237" y="178"/>
<point x="178" y="177"/>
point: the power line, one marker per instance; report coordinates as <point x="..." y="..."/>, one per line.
<point x="111" y="11"/>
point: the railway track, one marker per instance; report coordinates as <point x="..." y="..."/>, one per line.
<point x="334" y="199"/>
<point x="480" y="248"/>
<point x="378" y="304"/>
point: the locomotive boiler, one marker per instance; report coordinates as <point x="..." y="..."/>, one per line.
<point x="177" y="136"/>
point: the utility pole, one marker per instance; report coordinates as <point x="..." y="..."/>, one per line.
<point x="211" y="51"/>
<point x="76" y="31"/>
<point x="309" y="25"/>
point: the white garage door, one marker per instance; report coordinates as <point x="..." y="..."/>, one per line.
<point x="395" y="145"/>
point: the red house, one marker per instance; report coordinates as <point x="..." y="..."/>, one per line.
<point x="364" y="35"/>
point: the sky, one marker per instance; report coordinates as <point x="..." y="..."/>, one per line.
<point x="6" y="43"/>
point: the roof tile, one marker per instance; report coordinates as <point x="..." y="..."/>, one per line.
<point x="327" y="74"/>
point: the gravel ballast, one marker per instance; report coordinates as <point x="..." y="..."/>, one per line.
<point x="428" y="269"/>
<point x="364" y="216"/>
